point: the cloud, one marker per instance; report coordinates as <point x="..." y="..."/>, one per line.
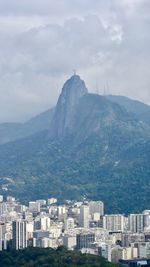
<point x="43" y="41"/>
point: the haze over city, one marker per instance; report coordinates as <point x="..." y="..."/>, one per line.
<point x="42" y="41"/>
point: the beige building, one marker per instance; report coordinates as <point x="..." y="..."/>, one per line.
<point x="114" y="222"/>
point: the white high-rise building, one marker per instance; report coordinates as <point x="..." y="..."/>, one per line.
<point x="19" y="233"/>
<point x="136" y="223"/>
<point x="30" y="229"/>
<point x="69" y="224"/>
<point x="114" y="222"/>
<point x="45" y="223"/>
<point x="84" y="216"/>
<point x="3" y="208"/>
<point x="146" y="214"/>
<point x="61" y="212"/>
<point x="42" y="223"/>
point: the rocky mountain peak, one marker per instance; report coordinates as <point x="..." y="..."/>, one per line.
<point x="73" y="89"/>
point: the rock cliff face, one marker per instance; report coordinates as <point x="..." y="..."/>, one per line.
<point x="63" y="118"/>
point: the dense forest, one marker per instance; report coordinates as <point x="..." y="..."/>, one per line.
<point x="61" y="257"/>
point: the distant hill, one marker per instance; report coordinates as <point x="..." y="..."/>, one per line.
<point x="13" y="131"/>
<point x="139" y="109"/>
<point x="60" y="257"/>
<point x="130" y="105"/>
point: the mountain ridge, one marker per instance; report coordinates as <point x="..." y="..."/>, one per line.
<point x="104" y="155"/>
<point x="13" y="131"/>
<point x="10" y="132"/>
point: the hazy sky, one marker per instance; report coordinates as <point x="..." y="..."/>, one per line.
<point x="42" y="41"/>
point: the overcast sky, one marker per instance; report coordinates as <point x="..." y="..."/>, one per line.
<point x="42" y="41"/>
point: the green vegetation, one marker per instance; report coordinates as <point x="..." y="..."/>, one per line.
<point x="105" y="156"/>
<point x="119" y="176"/>
<point x="37" y="257"/>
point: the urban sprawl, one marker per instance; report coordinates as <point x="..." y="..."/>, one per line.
<point x="76" y="225"/>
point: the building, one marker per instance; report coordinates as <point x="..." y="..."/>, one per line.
<point x="20" y="208"/>
<point x="61" y="212"/>
<point x="104" y="250"/>
<point x="146" y="214"/>
<point x="85" y="240"/>
<point x="114" y="222"/>
<point x="30" y="229"/>
<point x="11" y="199"/>
<point x="40" y="234"/>
<point x="69" y="224"/>
<point x="42" y="222"/>
<point x="84" y="216"/>
<point x="96" y="207"/>
<point x="45" y="242"/>
<point x="51" y="201"/>
<point x="136" y="223"/>
<point x="3" y="208"/>
<point x="144" y="250"/>
<point x="116" y="254"/>
<point x="19" y="234"/>
<point x="69" y="241"/>
<point x="3" y="239"/>
<point x="41" y="201"/>
<point x="128" y="238"/>
<point x="123" y="253"/>
<point x="134" y="263"/>
<point x="34" y="207"/>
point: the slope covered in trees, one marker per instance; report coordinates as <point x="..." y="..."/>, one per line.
<point x="37" y="257"/>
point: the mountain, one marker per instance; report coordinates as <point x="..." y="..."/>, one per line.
<point x="145" y="117"/>
<point x="93" y="147"/>
<point x="63" y="119"/>
<point x="139" y="109"/>
<point x="130" y="105"/>
<point x="13" y="131"/>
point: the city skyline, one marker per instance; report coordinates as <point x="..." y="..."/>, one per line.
<point x="77" y="225"/>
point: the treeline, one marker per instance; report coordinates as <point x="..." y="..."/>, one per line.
<point x="61" y="257"/>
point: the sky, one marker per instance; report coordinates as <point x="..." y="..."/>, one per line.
<point x="43" y="41"/>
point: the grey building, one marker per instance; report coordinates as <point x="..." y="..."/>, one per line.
<point x="85" y="240"/>
<point x="19" y="234"/>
